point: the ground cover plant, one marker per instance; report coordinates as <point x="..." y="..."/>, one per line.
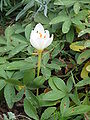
<point x="48" y="79"/>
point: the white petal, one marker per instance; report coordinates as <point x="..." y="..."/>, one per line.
<point x="39" y="28"/>
<point x="35" y="44"/>
<point x="33" y="40"/>
<point x="47" y="34"/>
<point x="48" y="42"/>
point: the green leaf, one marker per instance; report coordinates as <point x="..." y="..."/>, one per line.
<point x="83" y="56"/>
<point x="70" y="35"/>
<point x="9" y="31"/>
<point x="60" y="84"/>
<point x="19" y="96"/>
<point x="28" y="30"/>
<point x="46" y="72"/>
<point x="76" y="7"/>
<point x="64" y="105"/>
<point x="70" y="84"/>
<point x="16" y="65"/>
<point x="54" y="95"/>
<point x="77" y="46"/>
<point x="29" y="76"/>
<point x="45" y="58"/>
<point x="2" y="60"/>
<point x="30" y="109"/>
<point x="87" y="30"/>
<point x="64" y="2"/>
<point x="47" y="113"/>
<point x="2" y="84"/>
<point x="40" y="18"/>
<point x="9" y="93"/>
<point x="38" y="82"/>
<point x="2" y="40"/>
<point x="13" y="81"/>
<point x="32" y="98"/>
<point x="84" y="72"/>
<point x="81" y="109"/>
<point x="52" y="84"/>
<point x="16" y="50"/>
<point x="3" y="73"/>
<point x="16" y="6"/>
<point x="25" y="9"/>
<point x="87" y="44"/>
<point x="66" y="26"/>
<point x="17" y="38"/>
<point x="58" y="19"/>
<point x="83" y="82"/>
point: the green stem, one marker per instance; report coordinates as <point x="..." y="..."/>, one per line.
<point x="39" y="64"/>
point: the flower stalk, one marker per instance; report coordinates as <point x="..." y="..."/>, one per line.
<point x="39" y="65"/>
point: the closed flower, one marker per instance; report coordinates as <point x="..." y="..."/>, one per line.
<point x="40" y="38"/>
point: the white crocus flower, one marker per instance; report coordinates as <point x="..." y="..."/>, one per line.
<point x="40" y="38"/>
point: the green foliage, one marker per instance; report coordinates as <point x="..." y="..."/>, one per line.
<point x="64" y="77"/>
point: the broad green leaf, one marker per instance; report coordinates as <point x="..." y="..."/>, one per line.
<point x="2" y="60"/>
<point x="76" y="7"/>
<point x="54" y="95"/>
<point x="2" y="84"/>
<point x="81" y="109"/>
<point x="83" y="56"/>
<point x="77" y="46"/>
<point x="46" y="72"/>
<point x="58" y="19"/>
<point x="84" y="72"/>
<point x="38" y="82"/>
<point x="64" y="2"/>
<point x="83" y="82"/>
<point x="45" y="58"/>
<point x="2" y="40"/>
<point x="69" y="84"/>
<point x="74" y="97"/>
<point x="9" y="31"/>
<point x="30" y="109"/>
<point x="52" y="84"/>
<point x="28" y="30"/>
<point x="70" y="35"/>
<point x="17" y="38"/>
<point x="45" y="103"/>
<point x="19" y="96"/>
<point x="33" y="99"/>
<point x="9" y="93"/>
<point x="66" y="26"/>
<point x="3" y="73"/>
<point x="29" y="76"/>
<point x="60" y="84"/>
<point x="13" y="81"/>
<point x="40" y="18"/>
<point x="64" y="105"/>
<point x="16" y="50"/>
<point x="78" y="23"/>
<point x="16" y="65"/>
<point x="47" y="113"/>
